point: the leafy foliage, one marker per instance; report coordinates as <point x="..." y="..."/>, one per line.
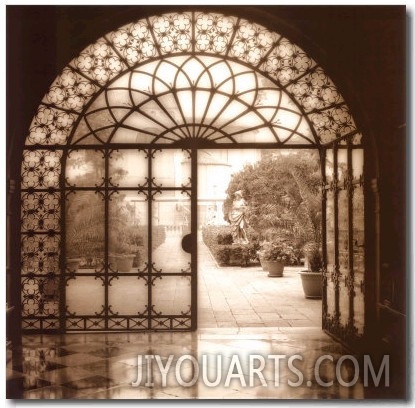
<point x="315" y="262"/>
<point x="279" y="250"/>
<point x="283" y="195"/>
<point x="219" y="241"/>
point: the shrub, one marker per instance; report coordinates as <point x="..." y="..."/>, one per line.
<point x="279" y="250"/>
<point x="224" y="239"/>
<point x="222" y="254"/>
<point x="315" y="261"/>
<point x="211" y="234"/>
<point x="219" y="241"/>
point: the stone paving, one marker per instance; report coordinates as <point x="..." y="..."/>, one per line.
<point x="247" y="297"/>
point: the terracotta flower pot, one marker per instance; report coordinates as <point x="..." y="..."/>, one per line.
<point x="275" y="269"/>
<point x="72" y="264"/>
<point x="125" y="263"/>
<point x="312" y="284"/>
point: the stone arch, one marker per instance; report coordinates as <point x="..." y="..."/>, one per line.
<point x="106" y="97"/>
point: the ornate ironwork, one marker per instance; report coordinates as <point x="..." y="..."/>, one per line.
<point x="298" y="86"/>
<point x="179" y="79"/>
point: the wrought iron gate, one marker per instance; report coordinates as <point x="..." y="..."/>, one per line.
<point x="176" y="80"/>
<point x="344" y="249"/>
<point x="131" y="212"/>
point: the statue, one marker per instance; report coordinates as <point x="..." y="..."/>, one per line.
<point x="237" y="217"/>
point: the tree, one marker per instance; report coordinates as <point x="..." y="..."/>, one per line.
<point x="283" y="195"/>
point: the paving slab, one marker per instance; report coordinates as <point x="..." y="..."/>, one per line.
<point x="242" y="297"/>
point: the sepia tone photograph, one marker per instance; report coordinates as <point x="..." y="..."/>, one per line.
<point x="206" y="202"/>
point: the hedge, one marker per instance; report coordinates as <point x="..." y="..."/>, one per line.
<point x="219" y="241"/>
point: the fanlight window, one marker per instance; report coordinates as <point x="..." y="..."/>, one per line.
<point x="192" y="75"/>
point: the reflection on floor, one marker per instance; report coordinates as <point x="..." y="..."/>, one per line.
<point x="105" y="366"/>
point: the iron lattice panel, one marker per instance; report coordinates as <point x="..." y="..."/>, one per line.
<point x="93" y="296"/>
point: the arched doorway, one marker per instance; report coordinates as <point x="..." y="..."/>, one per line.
<point x="163" y="84"/>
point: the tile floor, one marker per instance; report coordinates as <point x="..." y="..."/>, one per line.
<point x="249" y="314"/>
<point x="105" y="366"/>
<point x="247" y="297"/>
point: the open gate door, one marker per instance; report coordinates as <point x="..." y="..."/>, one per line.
<point x="343" y="237"/>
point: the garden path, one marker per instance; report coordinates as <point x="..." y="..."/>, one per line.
<point x="236" y="296"/>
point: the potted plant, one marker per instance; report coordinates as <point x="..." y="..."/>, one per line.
<point x="122" y="252"/>
<point x="72" y="261"/>
<point x="125" y="261"/>
<point x="277" y="254"/>
<point x="312" y="278"/>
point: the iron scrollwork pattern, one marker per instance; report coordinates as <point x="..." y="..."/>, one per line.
<point x="40" y="238"/>
<point x="306" y="107"/>
<point x="163" y="81"/>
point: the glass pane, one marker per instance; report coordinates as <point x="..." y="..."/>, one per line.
<point x="85" y="168"/>
<point x="341" y="165"/>
<point x="201" y="104"/>
<point x="359" y="303"/>
<point x="85" y="231"/>
<point x="171" y="222"/>
<point x="331" y="308"/>
<point x="170" y="168"/>
<point x="262" y="135"/>
<point x="172" y="295"/>
<point x="123" y="135"/>
<point x="330" y="252"/>
<point x="343" y="255"/>
<point x="138" y="120"/>
<point x="128" y="296"/>
<point x="153" y="109"/>
<point x="128" y="168"/>
<point x="329" y="166"/>
<point x="358" y="230"/>
<point x="185" y="100"/>
<point x="358" y="256"/>
<point x="128" y="231"/>
<point x="248" y="121"/>
<point x="234" y="109"/>
<point x="78" y="295"/>
<point x="357" y="160"/>
<point x="217" y="104"/>
<point x="330" y="228"/>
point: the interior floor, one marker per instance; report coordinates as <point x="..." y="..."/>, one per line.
<point x="108" y="366"/>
